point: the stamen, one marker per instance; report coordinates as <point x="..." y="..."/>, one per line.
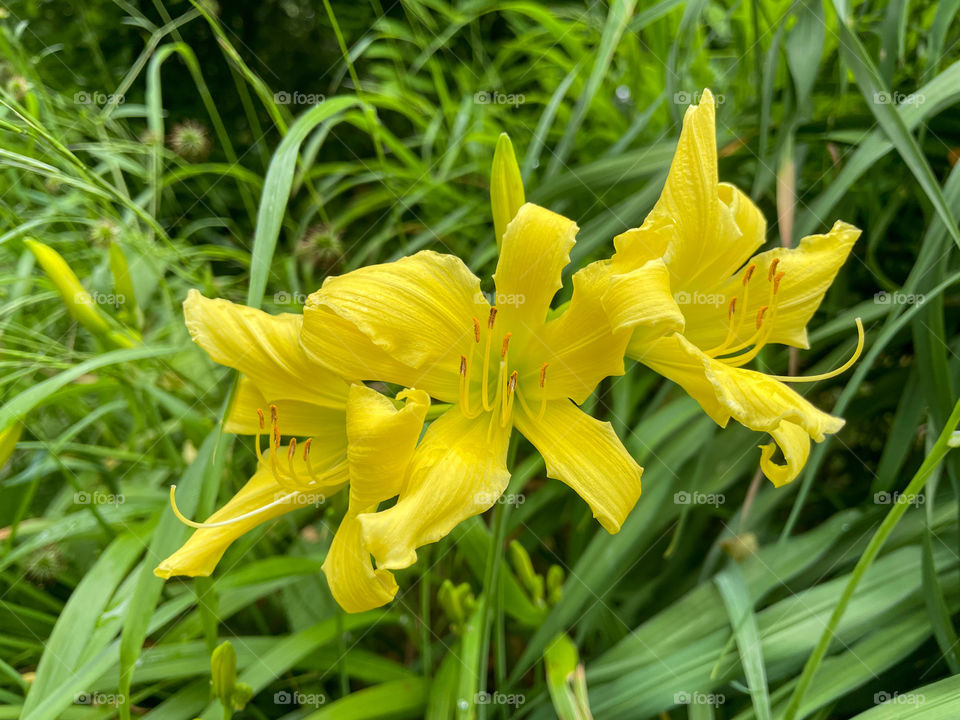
<point x="506" y="409"/>
<point x="465" y="388"/>
<point x="772" y="271"/>
<point x="256" y="443"/>
<point x="222" y="523"/>
<point x="543" y="395"/>
<point x="291" y="451"/>
<point x="306" y="449"/>
<point x="485" y="379"/>
<point x="776" y="281"/>
<point x="861" y="339"/>
<point x="760" y="313"/>
<point x="543" y="374"/>
<point x="748" y="273"/>
<point x="506" y="344"/>
<point x="476" y="330"/>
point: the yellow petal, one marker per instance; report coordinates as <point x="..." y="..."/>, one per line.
<point x="587" y="455"/>
<point x="354" y="583"/>
<point x="200" y="554"/>
<point x="458" y="471"/>
<point x="506" y="186"/>
<point x="536" y="248"/>
<point x="716" y="227"/>
<point x="419" y="310"/>
<point x="579" y="346"/>
<point x="337" y="343"/>
<point x="808" y="271"/>
<point x="641" y="301"/>
<point x="751" y="398"/>
<point x="795" y="445"/>
<point x="265" y="348"/>
<point x="381" y="440"/>
<point x="297" y="417"/>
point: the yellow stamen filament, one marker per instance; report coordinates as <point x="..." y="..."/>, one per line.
<point x="861" y="339"/>
<point x="485" y="378"/>
<point x="223" y="523"/>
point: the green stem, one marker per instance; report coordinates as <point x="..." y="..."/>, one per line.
<point x="940" y="449"/>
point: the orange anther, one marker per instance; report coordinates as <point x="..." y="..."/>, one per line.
<point x="491" y="318"/>
<point x="771" y="273"/>
<point x="748" y="273"/>
<point x="506" y="344"/>
<point x="776" y="281"/>
<point x="543" y="374"/>
<point x="260" y="415"/>
<point x="732" y="308"/>
<point x="476" y="330"/>
<point x="306" y="448"/>
<point x="760" y="314"/>
<point x="512" y="384"/>
<point x="292" y="449"/>
<point x="463" y="364"/>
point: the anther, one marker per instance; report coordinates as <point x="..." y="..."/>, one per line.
<point x="463" y="365"/>
<point x="260" y="415"/>
<point x="748" y="273"/>
<point x="760" y="313"/>
<point x="732" y="307"/>
<point x="292" y="449"/>
<point x="543" y="374"/>
<point x="476" y="330"/>
<point x="512" y="385"/>
<point x="306" y="449"/>
<point x="776" y="281"/>
<point x="492" y="317"/>
<point x="506" y="344"/>
<point x="274" y="415"/>
<point x="772" y="272"/>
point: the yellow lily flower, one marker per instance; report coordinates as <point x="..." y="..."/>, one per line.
<point x="423" y="321"/>
<point x="355" y="435"/>
<point x="696" y="245"/>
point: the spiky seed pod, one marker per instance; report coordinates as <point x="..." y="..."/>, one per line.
<point x="190" y="140"/>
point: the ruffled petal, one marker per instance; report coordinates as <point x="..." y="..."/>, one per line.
<point x="640" y="300"/>
<point x="751" y="398"/>
<point x="579" y="346"/>
<point x="299" y="417"/>
<point x="715" y="226"/>
<point x="381" y="440"/>
<point x="340" y="345"/>
<point x="806" y="273"/>
<point x="587" y="455"/>
<point x="263" y="495"/>
<point x="536" y="248"/>
<point x="263" y="347"/>
<point x="458" y="471"/>
<point x="794" y="443"/>
<point x="353" y="581"/>
<point x="419" y="309"/>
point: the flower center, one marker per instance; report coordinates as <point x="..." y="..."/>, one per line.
<point x="500" y="402"/>
<point x="764" y="323"/>
<point x="293" y="483"/>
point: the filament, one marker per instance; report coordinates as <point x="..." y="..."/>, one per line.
<point x="861" y="339"/>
